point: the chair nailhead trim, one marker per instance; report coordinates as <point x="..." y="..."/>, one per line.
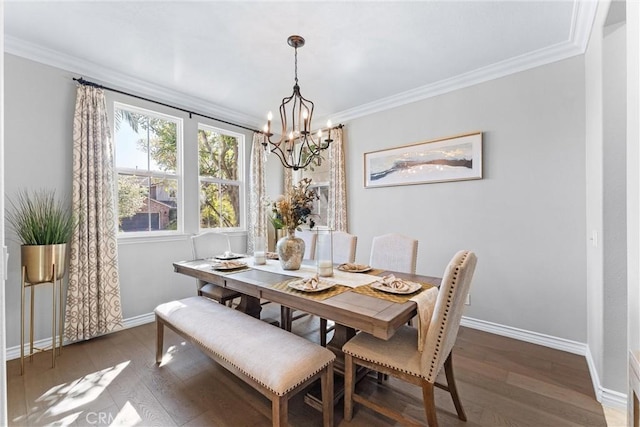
<point x="454" y="284"/>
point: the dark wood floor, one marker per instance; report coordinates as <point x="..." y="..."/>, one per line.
<point x="113" y="380"/>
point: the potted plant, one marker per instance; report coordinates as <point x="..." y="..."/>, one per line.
<point x="44" y="225"/>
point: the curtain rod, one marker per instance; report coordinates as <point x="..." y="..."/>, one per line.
<point x="84" y="82"/>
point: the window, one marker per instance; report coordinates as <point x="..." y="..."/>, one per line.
<point x="148" y="146"/>
<point x="318" y="171"/>
<point x="220" y="171"/>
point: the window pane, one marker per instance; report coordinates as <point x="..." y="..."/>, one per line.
<point x="209" y="205"/>
<point x="146" y="204"/>
<point x="218" y="155"/>
<point x="320" y="206"/>
<point x="219" y="205"/>
<point x="144" y="142"/>
<point x="230" y="196"/>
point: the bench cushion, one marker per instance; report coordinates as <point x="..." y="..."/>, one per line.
<point x="277" y="359"/>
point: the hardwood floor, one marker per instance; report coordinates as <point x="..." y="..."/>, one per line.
<point x="114" y="380"/>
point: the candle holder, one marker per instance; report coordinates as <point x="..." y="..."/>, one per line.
<point x="259" y="255"/>
<point x="324" y="252"/>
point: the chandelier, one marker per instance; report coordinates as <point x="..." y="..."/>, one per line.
<point x="297" y="147"/>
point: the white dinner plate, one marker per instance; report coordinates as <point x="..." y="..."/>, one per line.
<point x="363" y="269"/>
<point x="412" y="287"/>
<point x="300" y="286"/>
<point x="229" y="266"/>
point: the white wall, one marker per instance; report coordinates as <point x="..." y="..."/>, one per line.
<point x="3" y="336"/>
<point x="525" y="219"/>
<point x="633" y="174"/>
<point x="614" y="232"/>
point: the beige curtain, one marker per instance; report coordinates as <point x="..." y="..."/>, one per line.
<point x="93" y="297"/>
<point x="257" y="226"/>
<point x="337" y="209"/>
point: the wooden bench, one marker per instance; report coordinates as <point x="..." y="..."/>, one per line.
<point x="275" y="362"/>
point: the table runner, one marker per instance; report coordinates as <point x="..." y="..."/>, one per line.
<point x="343" y="278"/>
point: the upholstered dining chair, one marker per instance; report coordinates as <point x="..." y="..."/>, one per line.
<point x="208" y="245"/>
<point x="344" y="247"/>
<point x="344" y="250"/>
<point x="309" y="237"/>
<point x="394" y="252"/>
<point x="400" y="357"/>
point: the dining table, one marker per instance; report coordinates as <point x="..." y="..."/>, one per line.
<point x="352" y="300"/>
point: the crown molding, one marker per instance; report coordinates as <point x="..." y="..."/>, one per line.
<point x="583" y="16"/>
<point x="125" y="82"/>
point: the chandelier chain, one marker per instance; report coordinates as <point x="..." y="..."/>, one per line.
<point x="296" y="64"/>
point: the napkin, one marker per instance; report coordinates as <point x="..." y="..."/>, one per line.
<point x="311" y="282"/>
<point x="350" y="266"/>
<point x="228" y="264"/>
<point x="394" y="282"/>
<point x="426" y="301"/>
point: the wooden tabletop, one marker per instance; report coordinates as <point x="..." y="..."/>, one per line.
<point x="376" y="316"/>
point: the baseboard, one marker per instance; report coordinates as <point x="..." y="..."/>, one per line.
<point x="132" y="322"/>
<point x="569" y="346"/>
<point x="605" y="396"/>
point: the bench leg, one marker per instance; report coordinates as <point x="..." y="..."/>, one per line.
<point x="326" y="384"/>
<point x="159" y="340"/>
<point x="279" y="411"/>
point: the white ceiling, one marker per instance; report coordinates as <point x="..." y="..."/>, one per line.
<point x="230" y="59"/>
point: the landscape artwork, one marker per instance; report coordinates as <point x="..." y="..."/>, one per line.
<point x="448" y="159"/>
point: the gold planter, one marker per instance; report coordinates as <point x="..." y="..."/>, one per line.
<point x="38" y="261"/>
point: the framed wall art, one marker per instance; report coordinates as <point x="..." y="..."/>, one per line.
<point x="454" y="158"/>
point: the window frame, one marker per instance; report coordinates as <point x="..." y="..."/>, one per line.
<point x="240" y="183"/>
<point x="178" y="175"/>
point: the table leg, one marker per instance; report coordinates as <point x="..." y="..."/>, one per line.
<point x="250" y="305"/>
<point x="341" y="334"/>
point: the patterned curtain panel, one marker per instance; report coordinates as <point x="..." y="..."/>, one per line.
<point x="257" y="226"/>
<point x="93" y="297"/>
<point x="337" y="209"/>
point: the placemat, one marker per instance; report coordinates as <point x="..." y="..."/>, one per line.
<point x="318" y="296"/>
<point x="399" y="298"/>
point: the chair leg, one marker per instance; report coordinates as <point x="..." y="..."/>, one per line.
<point x="323" y="332"/>
<point x="279" y="411"/>
<point x="349" y="384"/>
<point x="451" y="384"/>
<point x="159" y="340"/>
<point x="428" y="397"/>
